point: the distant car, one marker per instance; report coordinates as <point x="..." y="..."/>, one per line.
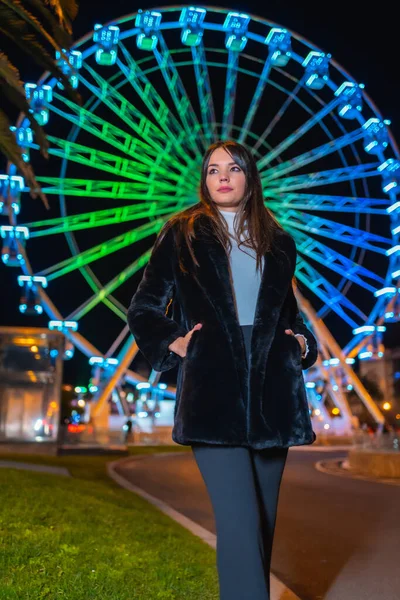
<point x="43" y="428"/>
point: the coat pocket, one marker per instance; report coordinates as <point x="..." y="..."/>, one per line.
<point x="292" y="347"/>
<point x="298" y="348"/>
<point x="190" y="344"/>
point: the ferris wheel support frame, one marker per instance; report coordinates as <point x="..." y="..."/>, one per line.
<point x="125" y="358"/>
<point x="331" y="346"/>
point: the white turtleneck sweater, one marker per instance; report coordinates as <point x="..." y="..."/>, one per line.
<point x="246" y="279"/>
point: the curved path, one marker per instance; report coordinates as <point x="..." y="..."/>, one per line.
<point x="337" y="538"/>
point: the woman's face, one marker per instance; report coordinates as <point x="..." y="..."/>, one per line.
<point x="223" y="172"/>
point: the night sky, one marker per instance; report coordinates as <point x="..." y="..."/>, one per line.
<point x="364" y="42"/>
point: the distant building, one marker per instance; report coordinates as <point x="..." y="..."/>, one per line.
<point x="31" y="365"/>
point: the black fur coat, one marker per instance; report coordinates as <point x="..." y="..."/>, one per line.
<point x="219" y="400"/>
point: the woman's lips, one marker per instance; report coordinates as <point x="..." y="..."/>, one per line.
<point x="223" y="190"/>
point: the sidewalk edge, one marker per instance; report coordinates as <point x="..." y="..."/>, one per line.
<point x="333" y="467"/>
<point x="278" y="589"/>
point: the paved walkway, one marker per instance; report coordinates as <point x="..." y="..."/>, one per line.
<point x="335" y="539"/>
<point x="279" y="591"/>
<point x="13" y="464"/>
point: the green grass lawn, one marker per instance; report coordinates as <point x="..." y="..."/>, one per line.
<point x="83" y="537"/>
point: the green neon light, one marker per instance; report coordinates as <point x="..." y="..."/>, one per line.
<point x="111" y="286"/>
<point x="131" y="145"/>
<point x="101" y="250"/>
<point x="111" y="216"/>
<point x="105" y="162"/>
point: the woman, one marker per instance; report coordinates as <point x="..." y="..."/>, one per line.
<point x="225" y="267"/>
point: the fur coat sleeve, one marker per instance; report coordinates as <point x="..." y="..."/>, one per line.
<point x="299" y="326"/>
<point x="152" y="329"/>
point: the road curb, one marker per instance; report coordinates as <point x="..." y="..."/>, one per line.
<point x="339" y="467"/>
<point x="316" y="448"/>
<point x="278" y="589"/>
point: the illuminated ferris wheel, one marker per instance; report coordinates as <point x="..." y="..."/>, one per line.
<point x="159" y="86"/>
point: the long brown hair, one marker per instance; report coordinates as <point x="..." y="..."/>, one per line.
<point x="252" y="213"/>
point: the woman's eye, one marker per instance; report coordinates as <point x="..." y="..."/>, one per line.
<point x="212" y="170"/>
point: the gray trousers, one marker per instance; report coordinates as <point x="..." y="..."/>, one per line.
<point x="243" y="485"/>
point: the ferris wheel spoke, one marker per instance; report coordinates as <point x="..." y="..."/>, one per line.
<point x="230" y="94"/>
<point x="123" y="109"/>
<point x="121" y="336"/>
<point x="206" y="100"/>
<point x="336" y="231"/>
<point x="324" y="202"/>
<point x="101" y="250"/>
<point x="99" y="218"/>
<point x="152" y="99"/>
<point x="296" y="135"/>
<point x="320" y="178"/>
<point x="297" y="162"/>
<point x="155" y="134"/>
<point x="104" y="291"/>
<point x="336" y="261"/>
<point x="116" y="307"/>
<point x="290" y="98"/>
<point x="130" y="145"/>
<point x="109" y="301"/>
<point x="328" y="293"/>
<point x="103" y="161"/>
<point x="113" y="190"/>
<point x="178" y="92"/>
<point x="255" y="102"/>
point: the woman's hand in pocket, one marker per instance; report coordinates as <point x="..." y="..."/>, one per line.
<point x="180" y="345"/>
<point x="299" y="339"/>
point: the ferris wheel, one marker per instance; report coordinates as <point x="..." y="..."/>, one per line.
<point x="159" y="86"/>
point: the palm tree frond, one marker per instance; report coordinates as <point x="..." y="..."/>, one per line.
<point x="18" y="8"/>
<point x="65" y="10"/>
<point x="28" y="43"/>
<point x="17" y="23"/>
<point x="8" y="71"/>
<point x="60" y="33"/>
<point x="16" y="97"/>
<point x="10" y="149"/>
